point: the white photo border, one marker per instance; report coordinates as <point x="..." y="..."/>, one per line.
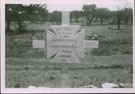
<point x="52" y="90"/>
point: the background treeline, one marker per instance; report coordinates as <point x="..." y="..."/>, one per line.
<point x="36" y="13"/>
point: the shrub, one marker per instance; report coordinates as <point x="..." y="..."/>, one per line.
<point x="113" y="47"/>
<point x="101" y="51"/>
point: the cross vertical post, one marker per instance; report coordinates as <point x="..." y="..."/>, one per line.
<point x="65" y="18"/>
<point x="65" y="78"/>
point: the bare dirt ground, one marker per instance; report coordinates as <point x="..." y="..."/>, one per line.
<point x="111" y="62"/>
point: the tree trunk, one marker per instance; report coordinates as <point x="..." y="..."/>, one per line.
<point x="90" y="21"/>
<point x="87" y="22"/>
<point x="8" y="25"/>
<point x="76" y="19"/>
<point x="119" y="15"/>
<point x="126" y="21"/>
<point x="57" y="22"/>
<point x="101" y="20"/>
<point x="118" y="24"/>
<point x="19" y="26"/>
<point x="131" y="20"/>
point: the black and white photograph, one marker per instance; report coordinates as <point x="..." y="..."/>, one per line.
<point x="86" y="45"/>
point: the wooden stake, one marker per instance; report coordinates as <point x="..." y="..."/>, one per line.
<point x="65" y="78"/>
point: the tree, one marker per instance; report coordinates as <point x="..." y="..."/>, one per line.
<point x="127" y="15"/>
<point x="36" y="12"/>
<point x="8" y="17"/>
<point x="119" y="18"/>
<point x="90" y="12"/>
<point x="12" y="12"/>
<point x="55" y="16"/>
<point x="75" y="15"/>
<point x="102" y="13"/>
<point x="120" y="14"/>
<point x="19" y="13"/>
<point x="15" y="12"/>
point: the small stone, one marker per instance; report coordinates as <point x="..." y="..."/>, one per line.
<point x="125" y="85"/>
<point x="31" y="87"/>
<point x="121" y="85"/>
<point x="109" y="85"/>
<point x="43" y="87"/>
<point x="88" y="86"/>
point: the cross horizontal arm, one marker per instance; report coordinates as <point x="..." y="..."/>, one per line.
<point x="88" y="43"/>
<point x="91" y="43"/>
<point x="38" y="43"/>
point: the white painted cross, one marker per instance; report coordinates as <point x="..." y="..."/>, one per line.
<point x="66" y="43"/>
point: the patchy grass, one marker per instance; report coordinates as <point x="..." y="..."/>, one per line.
<point x="118" y="42"/>
<point x="111" y="62"/>
<point x="114" y="47"/>
<point x="95" y="70"/>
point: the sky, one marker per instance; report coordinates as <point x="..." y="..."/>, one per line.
<point x="70" y="6"/>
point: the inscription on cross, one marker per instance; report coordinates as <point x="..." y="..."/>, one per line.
<point x="66" y="44"/>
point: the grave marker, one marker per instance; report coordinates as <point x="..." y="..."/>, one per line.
<point x="66" y="43"/>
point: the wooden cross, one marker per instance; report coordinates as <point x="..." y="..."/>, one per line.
<point x="66" y="44"/>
